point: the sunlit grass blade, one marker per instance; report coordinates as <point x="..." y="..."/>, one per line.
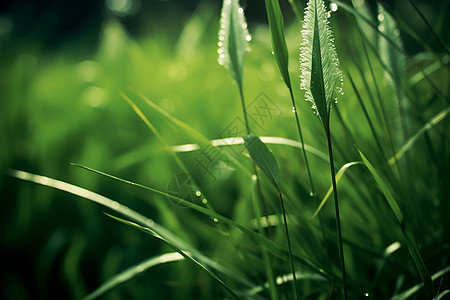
<point x="233" y="39"/>
<point x="183" y="253"/>
<point x="132" y="272"/>
<point x="273" y="140"/>
<point x="339" y="175"/>
<point x="274" y="247"/>
<point x="413" y="139"/>
<point x="130" y="214"/>
<point x="412" y="246"/>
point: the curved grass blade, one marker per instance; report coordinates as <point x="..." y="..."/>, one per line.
<point x="233" y="39"/>
<point x="339" y="175"/>
<point x="274" y="247"/>
<point x="412" y="246"/>
<point x="183" y="253"/>
<point x="425" y="128"/>
<point x="414" y="289"/>
<point x="274" y="140"/>
<point x="132" y="272"/>
<point x="131" y="215"/>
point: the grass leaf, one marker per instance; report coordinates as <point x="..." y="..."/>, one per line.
<point x="233" y="39"/>
<point x="263" y="158"/>
<point x="320" y="75"/>
<point x="279" y="46"/>
<point x="412" y="246"/>
<point x="132" y="272"/>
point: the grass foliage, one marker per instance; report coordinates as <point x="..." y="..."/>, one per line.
<point x="141" y="118"/>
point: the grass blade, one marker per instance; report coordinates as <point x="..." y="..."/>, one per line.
<point x="233" y="39"/>
<point x="279" y="46"/>
<point x="132" y="272"/>
<point x="320" y="75"/>
<point x="339" y="175"/>
<point x="137" y="218"/>
<point x="274" y="140"/>
<point x="263" y="158"/>
<point x="183" y="253"/>
<point x="412" y="246"/>
<point x="425" y="128"/>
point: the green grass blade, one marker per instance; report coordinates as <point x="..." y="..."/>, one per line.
<point x="133" y="215"/>
<point x="279" y="46"/>
<point x="320" y="75"/>
<point x="425" y="128"/>
<point x="339" y="175"/>
<point x="412" y="246"/>
<point x="273" y="140"/>
<point x="263" y="158"/>
<point x="414" y="289"/>
<point x="185" y="254"/>
<point x="274" y="247"/>
<point x="132" y="272"/>
<point x="233" y="39"/>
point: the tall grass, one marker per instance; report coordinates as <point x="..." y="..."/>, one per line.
<point x="245" y="236"/>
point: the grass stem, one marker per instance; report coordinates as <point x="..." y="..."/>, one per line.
<point x="338" y="218"/>
<point x="289" y="244"/>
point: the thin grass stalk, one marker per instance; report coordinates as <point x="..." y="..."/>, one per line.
<point x="267" y="265"/>
<point x="291" y="259"/>
<point x="337" y="213"/>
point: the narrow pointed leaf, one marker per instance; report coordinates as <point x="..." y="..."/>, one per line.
<point x="410" y="241"/>
<point x="233" y="39"/>
<point x="279" y="46"/>
<point x="320" y="74"/>
<point x="263" y="158"/>
<point x="132" y="272"/>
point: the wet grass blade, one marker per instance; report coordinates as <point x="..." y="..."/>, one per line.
<point x="412" y="245"/>
<point x="132" y="272"/>
<point x="183" y="253"/>
<point x="233" y="39"/>
<point x="274" y="247"/>
<point x="132" y="215"/>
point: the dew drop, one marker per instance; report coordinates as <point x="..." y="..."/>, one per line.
<point x="311" y="194"/>
<point x="244" y="25"/>
<point x="139" y="269"/>
<point x="293" y="109"/>
<point x="366" y="294"/>
<point x="248" y="37"/>
<point x="333" y="6"/>
<point x="380" y="17"/>
<point x="240" y="10"/>
<point x="204" y="201"/>
<point x="198" y="193"/>
<point x="381" y="27"/>
<point x="273" y="53"/>
<point x="215" y="220"/>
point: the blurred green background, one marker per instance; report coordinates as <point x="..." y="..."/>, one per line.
<point x="62" y="65"/>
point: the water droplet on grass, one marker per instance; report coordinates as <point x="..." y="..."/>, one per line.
<point x="215" y="220"/>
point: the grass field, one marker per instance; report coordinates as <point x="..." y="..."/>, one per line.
<point x="146" y="188"/>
